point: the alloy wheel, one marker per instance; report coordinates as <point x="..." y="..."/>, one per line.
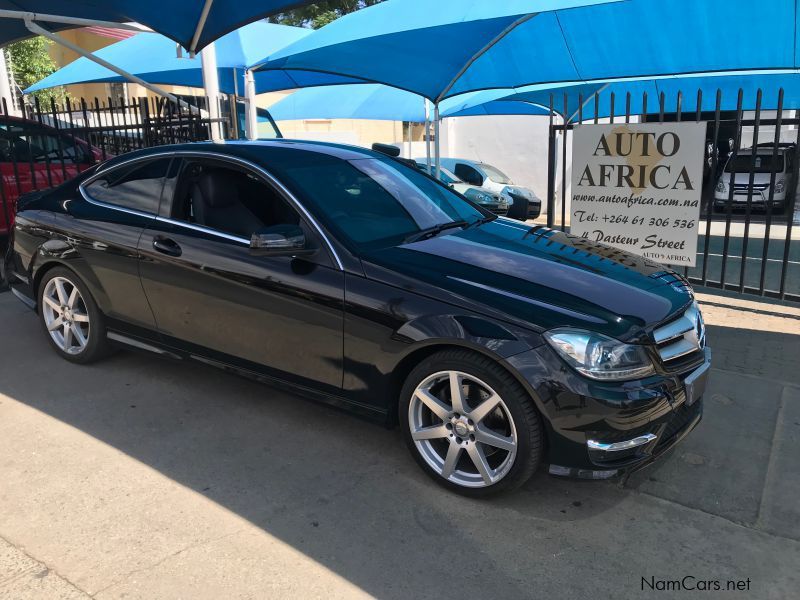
<point x="65" y="315"/>
<point x="463" y="429"/>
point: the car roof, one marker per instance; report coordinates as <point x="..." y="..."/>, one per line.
<point x="257" y="150"/>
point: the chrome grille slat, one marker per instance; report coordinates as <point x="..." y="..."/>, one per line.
<point x="682" y="336"/>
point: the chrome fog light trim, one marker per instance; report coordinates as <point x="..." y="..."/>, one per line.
<point x="617" y="446"/>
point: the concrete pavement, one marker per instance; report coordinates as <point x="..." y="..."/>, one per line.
<point x="144" y="478"/>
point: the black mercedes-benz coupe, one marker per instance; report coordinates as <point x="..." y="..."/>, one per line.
<point x="357" y="280"/>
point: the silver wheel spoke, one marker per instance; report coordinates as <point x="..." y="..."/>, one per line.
<point x="55" y="324"/>
<point x="490" y="438"/>
<point x="77" y="333"/>
<point x="67" y="336"/>
<point x="431" y="433"/>
<point x="484" y="408"/>
<point x="479" y="460"/>
<point x="52" y="303"/>
<point x="451" y="460"/>
<point x="456" y="397"/>
<point x="437" y="407"/>
<point x="61" y="291"/>
<point x="72" y="297"/>
<point x="79" y="318"/>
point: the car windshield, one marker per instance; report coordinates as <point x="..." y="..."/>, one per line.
<point x="375" y="203"/>
<point x="764" y="163"/>
<point x="495" y="174"/>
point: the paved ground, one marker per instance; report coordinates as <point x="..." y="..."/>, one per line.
<point x="142" y="478"/>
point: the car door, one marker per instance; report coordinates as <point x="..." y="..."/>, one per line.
<point x="214" y="296"/>
<point x="104" y="223"/>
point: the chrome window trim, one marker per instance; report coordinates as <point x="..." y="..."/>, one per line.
<point x="274" y="181"/>
<point x="203" y="229"/>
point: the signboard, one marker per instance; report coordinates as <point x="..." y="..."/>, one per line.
<point x="637" y="186"/>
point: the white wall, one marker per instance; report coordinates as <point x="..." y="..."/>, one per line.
<point x="517" y="145"/>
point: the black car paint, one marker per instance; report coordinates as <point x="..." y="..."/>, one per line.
<point x="344" y="328"/>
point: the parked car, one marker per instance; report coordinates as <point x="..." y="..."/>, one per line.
<point x="762" y="162"/>
<point x="488" y="200"/>
<point x="362" y="282"/>
<point x="492" y="179"/>
<point x="34" y="156"/>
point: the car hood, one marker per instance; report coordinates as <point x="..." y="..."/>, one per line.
<point x="538" y="277"/>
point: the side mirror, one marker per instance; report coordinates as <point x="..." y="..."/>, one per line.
<point x="279" y="240"/>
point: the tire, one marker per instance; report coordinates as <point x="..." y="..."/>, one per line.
<point x="68" y="311"/>
<point x="449" y="442"/>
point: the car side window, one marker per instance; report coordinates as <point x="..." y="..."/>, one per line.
<point x="137" y="186"/>
<point x="225" y="198"/>
<point x="468" y="174"/>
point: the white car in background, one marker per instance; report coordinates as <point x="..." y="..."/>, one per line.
<point x="492" y="179"/>
<point x="489" y="200"/>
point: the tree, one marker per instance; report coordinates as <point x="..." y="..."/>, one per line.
<point x="30" y="62"/>
<point x="321" y="13"/>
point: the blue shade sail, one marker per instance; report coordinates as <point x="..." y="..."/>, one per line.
<point x="176" y="19"/>
<point x="645" y="95"/>
<point x="418" y="46"/>
<point x="463" y="49"/>
<point x="153" y="57"/>
<point x="380" y="102"/>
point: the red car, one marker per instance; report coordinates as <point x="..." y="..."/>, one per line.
<point x="36" y="156"/>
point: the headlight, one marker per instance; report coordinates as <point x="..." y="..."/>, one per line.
<point x="721" y="187"/>
<point x="479" y="197"/>
<point x="780" y="186"/>
<point x="600" y="357"/>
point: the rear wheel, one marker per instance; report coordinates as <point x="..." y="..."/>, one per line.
<point x="74" y="324"/>
<point x="469" y="424"/>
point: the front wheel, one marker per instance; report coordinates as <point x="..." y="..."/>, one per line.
<point x="469" y="423"/>
<point x="69" y="314"/>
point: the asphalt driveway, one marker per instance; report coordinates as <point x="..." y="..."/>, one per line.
<point x="144" y="478"/>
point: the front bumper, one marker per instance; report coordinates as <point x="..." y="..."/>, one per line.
<point x="599" y="430"/>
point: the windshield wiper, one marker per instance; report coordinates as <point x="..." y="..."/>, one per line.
<point x="482" y="221"/>
<point x="429" y="232"/>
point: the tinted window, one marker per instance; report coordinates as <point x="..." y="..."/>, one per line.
<point x="227" y="199"/>
<point x="374" y="202"/>
<point x="27" y="145"/>
<point x="469" y="174"/>
<point x="137" y="186"/>
<point x="764" y="163"/>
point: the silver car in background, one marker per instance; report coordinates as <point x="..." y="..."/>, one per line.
<point x="762" y="164"/>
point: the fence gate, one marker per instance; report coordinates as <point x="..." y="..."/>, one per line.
<point x="749" y="234"/>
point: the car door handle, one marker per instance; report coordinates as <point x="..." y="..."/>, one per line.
<point x="167" y="246"/>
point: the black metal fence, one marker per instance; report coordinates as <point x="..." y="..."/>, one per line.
<point x="43" y="146"/>
<point x="749" y="240"/>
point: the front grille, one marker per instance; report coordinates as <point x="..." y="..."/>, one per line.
<point x="681" y="337"/>
<point x="744" y="187"/>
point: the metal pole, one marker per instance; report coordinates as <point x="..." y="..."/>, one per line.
<point x="427" y="136"/>
<point x="208" y="60"/>
<point x="437" y="143"/>
<point x="201" y="23"/>
<point x="251" y="110"/>
<point x="77" y="22"/>
<point x="35" y="28"/>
